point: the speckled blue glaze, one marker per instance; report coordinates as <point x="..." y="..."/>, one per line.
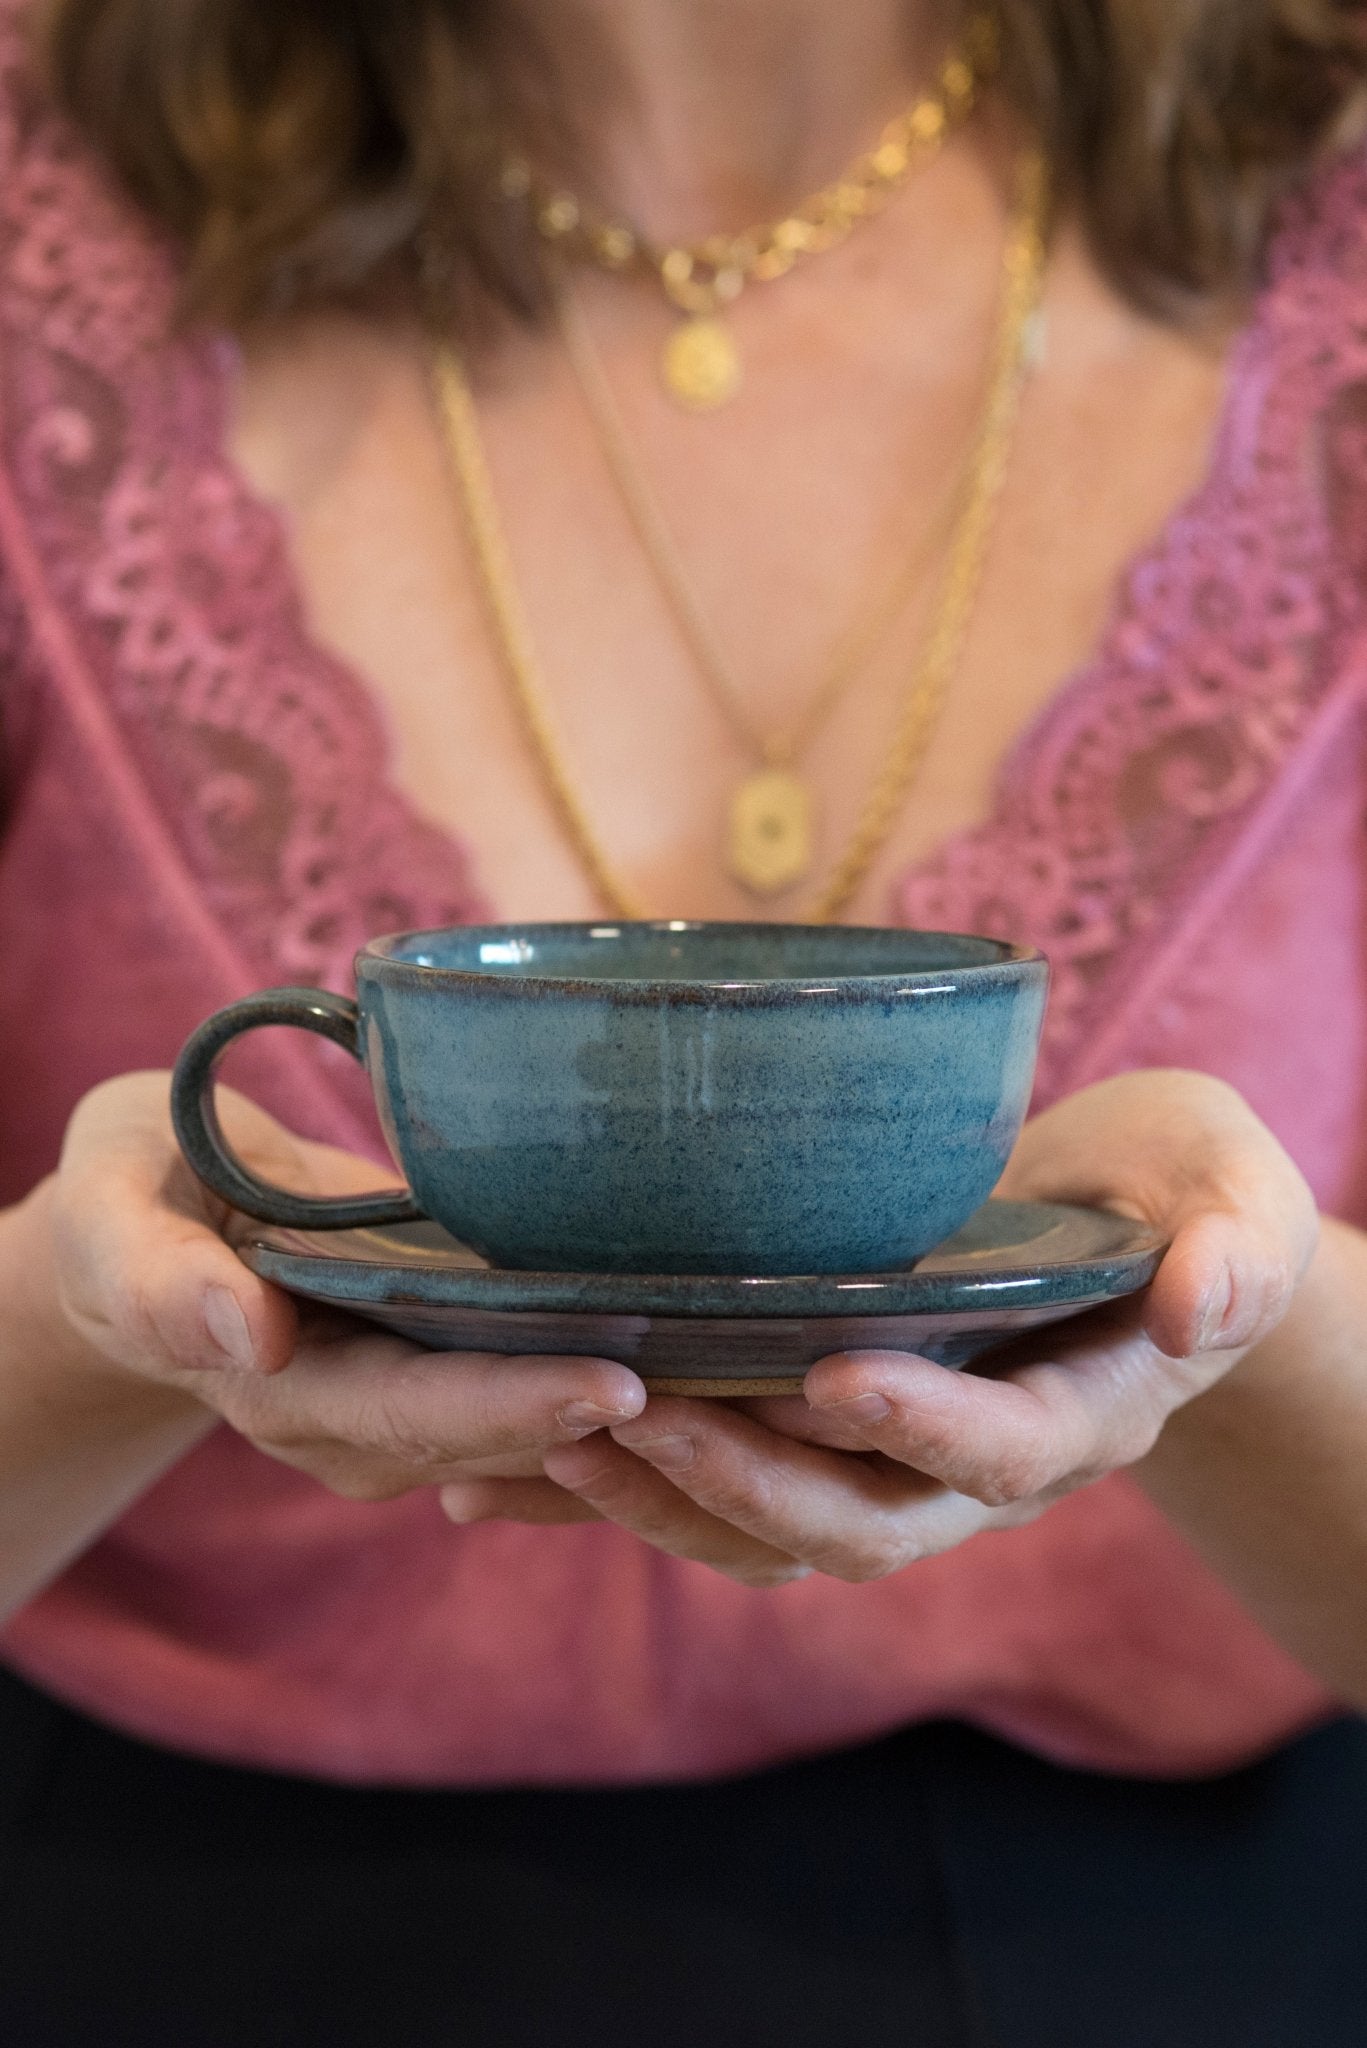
<point x="674" y="1098"/>
<point x="1014" y="1267"/>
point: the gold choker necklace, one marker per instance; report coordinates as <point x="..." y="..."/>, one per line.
<point x="700" y="364"/>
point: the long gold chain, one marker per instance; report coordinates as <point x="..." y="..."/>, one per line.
<point x="770" y="834"/>
<point x="854" y="647"/>
<point x="701" y="363"/>
<point x="1023" y="269"/>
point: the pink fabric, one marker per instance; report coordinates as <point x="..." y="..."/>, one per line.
<point x="196" y="805"/>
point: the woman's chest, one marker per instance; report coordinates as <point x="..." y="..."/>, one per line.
<point x="247" y="759"/>
<point x="789" y="525"/>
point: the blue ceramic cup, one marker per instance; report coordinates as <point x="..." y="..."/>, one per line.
<point x="666" y="1098"/>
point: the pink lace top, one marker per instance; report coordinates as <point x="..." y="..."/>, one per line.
<point x="195" y="806"/>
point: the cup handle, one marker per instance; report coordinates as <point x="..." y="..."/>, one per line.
<point x="195" y="1115"/>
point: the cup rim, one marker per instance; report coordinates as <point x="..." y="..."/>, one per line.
<point x="378" y="955"/>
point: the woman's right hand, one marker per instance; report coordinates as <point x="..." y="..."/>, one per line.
<point x="146" y="1279"/>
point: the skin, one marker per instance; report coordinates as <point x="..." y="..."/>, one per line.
<point x="864" y="378"/>
<point x="1235" y="1391"/>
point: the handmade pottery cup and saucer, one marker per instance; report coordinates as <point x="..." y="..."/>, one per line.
<point x="716" y="1152"/>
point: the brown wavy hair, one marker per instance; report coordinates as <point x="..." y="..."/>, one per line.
<point x="297" y="148"/>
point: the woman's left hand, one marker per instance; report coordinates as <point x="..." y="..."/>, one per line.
<point x="890" y="1458"/>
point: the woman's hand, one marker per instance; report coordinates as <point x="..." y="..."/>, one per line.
<point x="143" y="1276"/>
<point x="893" y="1458"/>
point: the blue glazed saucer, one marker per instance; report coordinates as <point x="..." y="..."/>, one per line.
<point x="1012" y="1267"/>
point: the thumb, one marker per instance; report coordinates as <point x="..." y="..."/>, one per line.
<point x="1183" y="1153"/>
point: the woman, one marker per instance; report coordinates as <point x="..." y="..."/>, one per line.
<point x="821" y="1722"/>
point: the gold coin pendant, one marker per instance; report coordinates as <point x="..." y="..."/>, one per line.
<point x="771" y="832"/>
<point x="701" y="365"/>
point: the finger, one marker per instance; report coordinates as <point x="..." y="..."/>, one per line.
<point x="1094" y="1405"/>
<point x="142" y="1264"/>
<point x="1184" y="1153"/>
<point x="422" y="1412"/>
<point x="151" y="1280"/>
<point x="536" y="1501"/>
<point x="792" y="1415"/>
<point x="143" y="1270"/>
<point x="853" y="1518"/>
<point x="627" y="1491"/>
<point x="523" y="1464"/>
<point x="1225" y="1282"/>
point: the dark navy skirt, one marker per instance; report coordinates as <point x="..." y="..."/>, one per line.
<point x="934" y="1890"/>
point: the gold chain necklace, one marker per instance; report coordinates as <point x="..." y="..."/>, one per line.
<point x="771" y="833"/>
<point x="1023" y="269"/>
<point x="700" y="364"/>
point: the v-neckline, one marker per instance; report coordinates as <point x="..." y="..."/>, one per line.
<point x="363" y="704"/>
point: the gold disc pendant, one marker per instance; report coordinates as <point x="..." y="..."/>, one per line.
<point x="701" y="365"/>
<point x="771" y="832"/>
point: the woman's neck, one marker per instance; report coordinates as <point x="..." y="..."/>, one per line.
<point x="690" y="116"/>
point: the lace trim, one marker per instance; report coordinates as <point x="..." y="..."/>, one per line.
<point x="267" y="755"/>
<point x="1225" y="637"/>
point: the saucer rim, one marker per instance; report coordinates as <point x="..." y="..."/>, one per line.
<point x="1087" y="1280"/>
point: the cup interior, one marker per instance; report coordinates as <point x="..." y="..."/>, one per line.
<point x="725" y="955"/>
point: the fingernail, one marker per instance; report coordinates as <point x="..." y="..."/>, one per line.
<point x="671" y="1453"/>
<point x="860" y="1408"/>
<point x="586" y="1415"/>
<point x="226" y="1324"/>
<point x="1215" y="1311"/>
